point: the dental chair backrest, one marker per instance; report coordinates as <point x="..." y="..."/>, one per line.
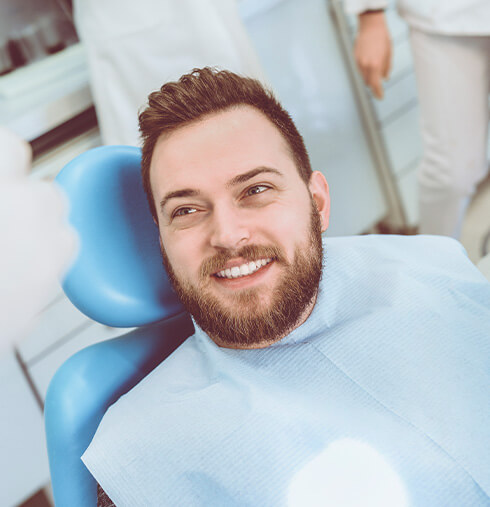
<point x="117" y="279"/>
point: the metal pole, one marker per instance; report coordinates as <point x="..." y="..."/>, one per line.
<point x="396" y="212"/>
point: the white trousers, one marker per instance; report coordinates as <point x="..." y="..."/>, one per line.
<point x="453" y="80"/>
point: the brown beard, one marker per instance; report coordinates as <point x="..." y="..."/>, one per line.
<point x="246" y="326"/>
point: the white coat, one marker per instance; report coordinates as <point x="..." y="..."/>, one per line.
<point x="133" y="47"/>
<point x="449" y="17"/>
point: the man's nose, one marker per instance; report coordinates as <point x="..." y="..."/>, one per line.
<point x="229" y="228"/>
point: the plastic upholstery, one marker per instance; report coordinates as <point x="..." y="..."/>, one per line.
<point x="117" y="279"/>
<point x="85" y="386"/>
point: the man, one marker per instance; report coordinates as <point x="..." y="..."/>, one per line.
<point x="450" y="42"/>
<point x="366" y="384"/>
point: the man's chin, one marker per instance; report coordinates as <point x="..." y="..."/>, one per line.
<point x="235" y="303"/>
<point x="237" y="300"/>
<point x="240" y="309"/>
<point x="252" y="317"/>
<point x="247" y="324"/>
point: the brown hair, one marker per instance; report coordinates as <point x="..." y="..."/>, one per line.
<point x="205" y="91"/>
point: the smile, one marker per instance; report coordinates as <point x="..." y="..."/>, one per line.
<point x="244" y="269"/>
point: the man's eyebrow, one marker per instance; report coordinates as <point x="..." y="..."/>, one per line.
<point x="185" y="192"/>
<point x="242" y="178"/>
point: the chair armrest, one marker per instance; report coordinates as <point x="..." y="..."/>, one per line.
<point x="85" y="386"/>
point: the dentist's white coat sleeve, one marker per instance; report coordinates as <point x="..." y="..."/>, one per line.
<point x="357" y="6"/>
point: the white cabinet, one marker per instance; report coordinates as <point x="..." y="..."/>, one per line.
<point x="59" y="320"/>
<point x="43" y="369"/>
<point x="23" y="457"/>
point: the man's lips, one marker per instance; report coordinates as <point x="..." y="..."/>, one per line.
<point x="240" y="268"/>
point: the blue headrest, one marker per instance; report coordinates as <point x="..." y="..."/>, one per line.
<point x="117" y="278"/>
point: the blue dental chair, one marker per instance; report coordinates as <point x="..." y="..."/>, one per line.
<point x="117" y="279"/>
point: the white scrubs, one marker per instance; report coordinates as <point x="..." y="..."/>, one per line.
<point x="451" y="50"/>
<point x="453" y="79"/>
<point x="133" y="47"/>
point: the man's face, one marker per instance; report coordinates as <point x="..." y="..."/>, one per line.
<point x="241" y="230"/>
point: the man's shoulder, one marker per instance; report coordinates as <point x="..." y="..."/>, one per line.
<point x="184" y="367"/>
<point x="400" y="274"/>
<point x="416" y="254"/>
<point x="182" y="370"/>
<point x="391" y="245"/>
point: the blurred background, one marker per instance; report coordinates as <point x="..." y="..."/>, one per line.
<point x="368" y="149"/>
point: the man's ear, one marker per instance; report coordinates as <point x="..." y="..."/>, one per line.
<point x="319" y="191"/>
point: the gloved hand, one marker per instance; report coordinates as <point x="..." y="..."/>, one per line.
<point x="372" y="50"/>
<point x="37" y="244"/>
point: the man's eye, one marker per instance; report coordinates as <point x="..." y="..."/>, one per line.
<point x="256" y="189"/>
<point x="181" y="212"/>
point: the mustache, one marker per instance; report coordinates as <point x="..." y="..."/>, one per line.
<point x="248" y="252"/>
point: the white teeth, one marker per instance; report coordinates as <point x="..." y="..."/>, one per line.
<point x="244" y="269"/>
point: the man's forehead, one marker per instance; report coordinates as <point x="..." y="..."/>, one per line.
<point x="218" y="146"/>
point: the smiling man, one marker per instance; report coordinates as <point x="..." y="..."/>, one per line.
<point x="380" y="355"/>
<point x="239" y="209"/>
<point x="241" y="228"/>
